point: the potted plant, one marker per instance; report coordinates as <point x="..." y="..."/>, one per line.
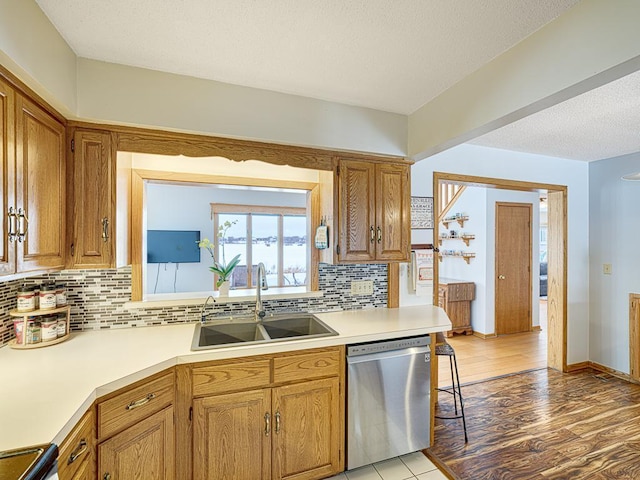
<point x="221" y="268"/>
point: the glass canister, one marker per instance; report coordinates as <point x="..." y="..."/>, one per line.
<point x="33" y="333"/>
<point x="61" y="296"/>
<point x="49" y="328"/>
<point x="61" y="328"/>
<point x="26" y="300"/>
<point x="47" y="297"/>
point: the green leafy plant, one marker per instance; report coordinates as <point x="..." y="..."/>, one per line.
<point x="222" y="268"/>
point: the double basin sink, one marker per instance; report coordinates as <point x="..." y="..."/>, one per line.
<point x="242" y="331"/>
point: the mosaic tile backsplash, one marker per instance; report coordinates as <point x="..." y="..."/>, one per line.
<point x="97" y="298"/>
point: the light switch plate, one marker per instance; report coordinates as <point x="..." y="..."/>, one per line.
<point x="606" y="268"/>
<point x="361" y="287"/>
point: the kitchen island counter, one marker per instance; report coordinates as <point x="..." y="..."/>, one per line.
<point x="47" y="390"/>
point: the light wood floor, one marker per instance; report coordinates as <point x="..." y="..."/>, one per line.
<point x="543" y="425"/>
<point x="481" y="359"/>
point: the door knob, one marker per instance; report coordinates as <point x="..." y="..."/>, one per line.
<point x="501" y="277"/>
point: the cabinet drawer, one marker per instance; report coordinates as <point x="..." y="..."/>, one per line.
<point x="134" y="404"/>
<point x="228" y="377"/>
<point x="78" y="449"/>
<point x="305" y="366"/>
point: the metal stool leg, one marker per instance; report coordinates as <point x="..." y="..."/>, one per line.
<point x="456" y="389"/>
<point x="464" y="421"/>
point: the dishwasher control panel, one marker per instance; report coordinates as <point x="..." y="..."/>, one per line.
<point x="387" y="345"/>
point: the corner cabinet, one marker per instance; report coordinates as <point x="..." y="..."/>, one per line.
<point x="33" y="186"/>
<point x="136" y="431"/>
<point x="92" y="200"/>
<point x="373" y="212"/>
<point x="286" y="422"/>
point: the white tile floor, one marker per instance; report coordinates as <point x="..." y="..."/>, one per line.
<point x="412" y="466"/>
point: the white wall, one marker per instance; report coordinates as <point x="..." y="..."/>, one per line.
<point x="473" y="203"/>
<point x="128" y="95"/>
<point x="614" y="234"/>
<point x="35" y="52"/>
<point x="494" y="163"/>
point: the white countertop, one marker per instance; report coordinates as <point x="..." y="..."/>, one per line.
<point x="45" y="391"/>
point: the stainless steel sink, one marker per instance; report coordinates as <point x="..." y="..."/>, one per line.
<point x="230" y="332"/>
<point x="300" y="325"/>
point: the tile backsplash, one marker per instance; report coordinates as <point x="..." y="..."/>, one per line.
<point x="97" y="298"/>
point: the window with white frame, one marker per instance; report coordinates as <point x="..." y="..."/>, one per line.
<point x="275" y="236"/>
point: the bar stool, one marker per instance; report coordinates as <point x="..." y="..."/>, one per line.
<point x="444" y="349"/>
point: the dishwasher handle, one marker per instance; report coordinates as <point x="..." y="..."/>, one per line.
<point x="369" y="357"/>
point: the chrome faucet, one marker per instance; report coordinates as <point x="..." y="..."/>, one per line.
<point x="261" y="284"/>
<point x="204" y="316"/>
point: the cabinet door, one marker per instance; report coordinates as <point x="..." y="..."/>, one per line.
<point x="231" y="436"/>
<point x="40" y="187"/>
<point x="307" y="430"/>
<point x="92" y="242"/>
<point x="144" y="451"/>
<point x="7" y="164"/>
<point x="392" y="212"/>
<point x="86" y="471"/>
<point x="357" y="211"/>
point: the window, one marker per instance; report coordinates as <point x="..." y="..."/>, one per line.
<point x="275" y="236"/>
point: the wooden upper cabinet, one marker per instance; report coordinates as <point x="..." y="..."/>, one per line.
<point x="357" y="211"/>
<point x="392" y="212"/>
<point x="91" y="223"/>
<point x="40" y="188"/>
<point x="373" y="212"/>
<point x="7" y="179"/>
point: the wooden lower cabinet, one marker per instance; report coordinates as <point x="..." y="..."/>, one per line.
<point x="86" y="471"/>
<point x="231" y="436"/>
<point x="306" y="430"/>
<point x="290" y="430"/>
<point x="144" y="451"/>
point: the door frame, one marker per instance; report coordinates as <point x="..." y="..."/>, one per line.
<point x="557" y="234"/>
<point x="495" y="260"/>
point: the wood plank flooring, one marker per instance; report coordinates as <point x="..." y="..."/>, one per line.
<point x="542" y="425"/>
<point x="480" y="359"/>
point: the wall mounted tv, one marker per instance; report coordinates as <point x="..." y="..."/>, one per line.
<point x="173" y="246"/>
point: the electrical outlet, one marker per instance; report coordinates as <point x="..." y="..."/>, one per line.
<point x="606" y="268"/>
<point x="361" y="287"/>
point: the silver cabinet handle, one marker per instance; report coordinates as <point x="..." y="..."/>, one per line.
<point x="107" y="476"/>
<point x="11" y="215"/>
<point x="78" y="452"/>
<point x="105" y="229"/>
<point x="372" y="234"/>
<point x="379" y="235"/>
<point x="23" y="224"/>
<point x="278" y="422"/>
<point x="267" y="424"/>
<point x="141" y="402"/>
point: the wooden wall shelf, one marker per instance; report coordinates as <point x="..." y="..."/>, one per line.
<point x="465" y="238"/>
<point x="466" y="256"/>
<point x="460" y="220"/>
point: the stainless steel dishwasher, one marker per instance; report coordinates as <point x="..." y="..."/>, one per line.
<point x="388" y="399"/>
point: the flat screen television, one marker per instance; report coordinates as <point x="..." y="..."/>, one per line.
<point x="173" y="246"/>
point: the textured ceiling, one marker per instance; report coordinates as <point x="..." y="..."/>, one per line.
<point x="391" y="55"/>
<point x="599" y="124"/>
